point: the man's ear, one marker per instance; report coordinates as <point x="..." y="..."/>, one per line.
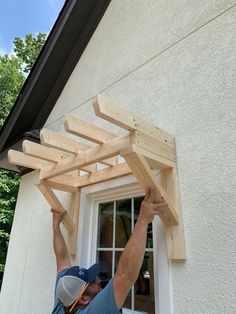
<point x="84" y="300"/>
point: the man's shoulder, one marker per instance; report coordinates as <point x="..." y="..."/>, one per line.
<point x="103" y="303"/>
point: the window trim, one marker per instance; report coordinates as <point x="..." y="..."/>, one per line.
<point x="86" y="251"/>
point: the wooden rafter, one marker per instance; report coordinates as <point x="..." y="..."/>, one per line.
<point x="109" y="149"/>
<point x="53" y="139"/>
<point x="144" y="147"/>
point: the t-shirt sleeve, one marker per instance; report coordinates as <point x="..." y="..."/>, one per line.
<point x="104" y="302"/>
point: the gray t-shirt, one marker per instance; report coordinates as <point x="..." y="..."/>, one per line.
<point x="103" y="303"/>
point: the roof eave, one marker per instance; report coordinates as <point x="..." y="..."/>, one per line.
<point x="65" y="44"/>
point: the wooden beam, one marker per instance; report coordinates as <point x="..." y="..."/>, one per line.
<point x="146" y="178"/>
<point x="62" y="183"/>
<point x="43" y="152"/>
<point x="106" y="109"/>
<point x="154" y="160"/>
<point x="86" y="130"/>
<point x="109" y="149"/>
<point x="56" y="204"/>
<point x="175" y="240"/>
<point x="20" y="159"/>
<point x="69" y="184"/>
<point x="50" y="154"/>
<point x="53" y="139"/>
<point x="152" y="144"/>
<point x="114" y="172"/>
<point x="74" y="214"/>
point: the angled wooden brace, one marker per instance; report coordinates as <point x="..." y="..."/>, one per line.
<point x="54" y="203"/>
<point x="70" y="220"/>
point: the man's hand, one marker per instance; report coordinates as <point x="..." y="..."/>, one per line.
<point x="148" y="208"/>
<point x="57" y="217"/>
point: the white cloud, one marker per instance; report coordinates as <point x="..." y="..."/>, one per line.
<point x="2" y="51"/>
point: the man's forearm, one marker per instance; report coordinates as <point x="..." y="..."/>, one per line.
<point x="60" y="248"/>
<point x="132" y="257"/>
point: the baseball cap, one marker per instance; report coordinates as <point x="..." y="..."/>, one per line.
<point x="74" y="282"/>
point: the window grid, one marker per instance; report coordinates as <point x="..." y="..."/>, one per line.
<point x="113" y="249"/>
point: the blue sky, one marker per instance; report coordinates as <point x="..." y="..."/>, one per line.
<point x="19" y="17"/>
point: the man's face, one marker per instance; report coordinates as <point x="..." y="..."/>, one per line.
<point x="94" y="287"/>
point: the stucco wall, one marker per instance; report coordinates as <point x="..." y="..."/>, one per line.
<point x="173" y="62"/>
<point x="29" y="276"/>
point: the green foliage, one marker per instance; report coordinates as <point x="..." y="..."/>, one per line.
<point x="12" y="77"/>
<point x="11" y="80"/>
<point x="28" y="49"/>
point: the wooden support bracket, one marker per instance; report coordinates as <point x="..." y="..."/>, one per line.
<point x="144" y="147"/>
<point x="74" y="214"/>
<point x="54" y="203"/>
<point x="175" y="241"/>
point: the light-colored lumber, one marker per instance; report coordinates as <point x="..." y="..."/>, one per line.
<point x="146" y="178"/>
<point x="154" y="160"/>
<point x="96" y="154"/>
<point x="65" y="182"/>
<point x="106" y="109"/>
<point x="20" y="159"/>
<point x="53" y="139"/>
<point x="62" y="183"/>
<point x="152" y="144"/>
<point x="74" y="214"/>
<point x="68" y="184"/>
<point x="86" y="130"/>
<point x="50" y="154"/>
<point x="56" y="204"/>
<point x="43" y="152"/>
<point x="175" y="240"/>
<point x="114" y="172"/>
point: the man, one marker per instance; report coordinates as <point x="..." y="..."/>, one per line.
<point x="78" y="290"/>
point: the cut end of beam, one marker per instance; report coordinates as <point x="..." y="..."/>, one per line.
<point x="106" y="109"/>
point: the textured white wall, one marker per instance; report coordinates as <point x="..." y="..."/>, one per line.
<point x="173" y="62"/>
<point x="29" y="276"/>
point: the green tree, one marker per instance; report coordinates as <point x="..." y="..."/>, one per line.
<point x="12" y="76"/>
<point x="11" y="80"/>
<point x="28" y="49"/>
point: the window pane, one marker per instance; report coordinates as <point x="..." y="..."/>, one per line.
<point x="105" y="259"/>
<point x="105" y="225"/>
<point x="144" y="287"/>
<point x="137" y="204"/>
<point x="123" y="222"/>
<point x="127" y="303"/>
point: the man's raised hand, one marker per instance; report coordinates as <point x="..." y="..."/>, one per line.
<point x="149" y="208"/>
<point x="57" y="217"/>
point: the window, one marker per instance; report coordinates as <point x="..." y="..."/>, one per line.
<point x="116" y="221"/>
<point x="105" y="199"/>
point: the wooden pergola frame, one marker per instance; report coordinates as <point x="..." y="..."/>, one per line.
<point x="68" y="165"/>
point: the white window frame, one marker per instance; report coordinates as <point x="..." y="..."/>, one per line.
<point x="121" y="188"/>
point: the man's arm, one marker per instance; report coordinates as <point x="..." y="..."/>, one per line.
<point x="59" y="244"/>
<point x="132" y="258"/>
